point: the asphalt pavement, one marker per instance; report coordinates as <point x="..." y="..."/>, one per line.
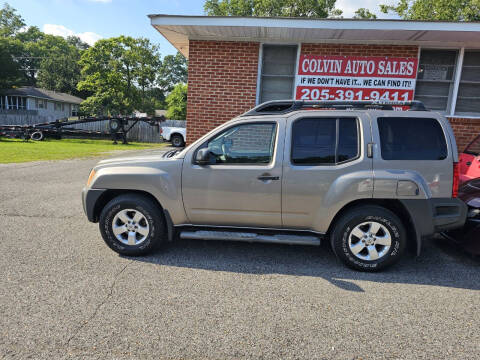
<point x="65" y="294"/>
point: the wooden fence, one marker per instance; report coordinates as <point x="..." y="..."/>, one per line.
<point x="141" y="132"/>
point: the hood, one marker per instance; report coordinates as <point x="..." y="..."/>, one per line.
<point x="140" y="157"/>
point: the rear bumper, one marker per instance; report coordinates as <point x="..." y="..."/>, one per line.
<point x="89" y="200"/>
<point x="437" y="214"/>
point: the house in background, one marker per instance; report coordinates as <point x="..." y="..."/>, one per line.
<point x="46" y="103"/>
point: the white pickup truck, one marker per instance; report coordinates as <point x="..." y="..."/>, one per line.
<point x="176" y="135"/>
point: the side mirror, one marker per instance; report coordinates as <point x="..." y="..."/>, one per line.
<point x="203" y="157"/>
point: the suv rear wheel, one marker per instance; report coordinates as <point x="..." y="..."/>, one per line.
<point x="132" y="225"/>
<point x="369" y="238"/>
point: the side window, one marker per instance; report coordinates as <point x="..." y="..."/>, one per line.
<point x="324" y="141"/>
<point x="244" y="144"/>
<point x="411" y="139"/>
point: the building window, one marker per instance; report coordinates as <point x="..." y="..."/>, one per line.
<point x="468" y="99"/>
<point x="277" y="72"/>
<point x="435" y="79"/>
<point x="15" y="103"/>
<point x="59" y="107"/>
<point x="40" y="104"/>
<point x="1" y="102"/>
<point x="74" y="110"/>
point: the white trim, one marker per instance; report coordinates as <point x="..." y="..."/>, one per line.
<point x="419" y="52"/>
<point x="259" y="73"/>
<point x="456" y="83"/>
<point x="333" y="24"/>
<point x="475" y="117"/>
<point x="299" y="51"/>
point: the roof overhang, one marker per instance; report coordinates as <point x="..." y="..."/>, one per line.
<point x="178" y="30"/>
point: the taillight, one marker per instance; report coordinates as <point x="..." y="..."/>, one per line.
<point x="161" y="130"/>
<point x="456" y="179"/>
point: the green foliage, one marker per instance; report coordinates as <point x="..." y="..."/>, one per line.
<point x="10" y="21"/>
<point x="9" y="71"/>
<point x="177" y="103"/>
<point x="59" y="69"/>
<point x="112" y="69"/>
<point x="173" y="71"/>
<point x="290" y="8"/>
<point x="363" y="13"/>
<point x="446" y="10"/>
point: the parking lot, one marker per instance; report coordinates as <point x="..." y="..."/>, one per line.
<point x="64" y="294"/>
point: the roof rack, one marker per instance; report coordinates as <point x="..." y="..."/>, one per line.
<point x="276" y="107"/>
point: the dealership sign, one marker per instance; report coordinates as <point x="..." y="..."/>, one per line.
<point x="355" y="78"/>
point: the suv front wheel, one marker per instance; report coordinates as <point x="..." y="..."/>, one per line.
<point x="132" y="225"/>
<point x="369" y="238"/>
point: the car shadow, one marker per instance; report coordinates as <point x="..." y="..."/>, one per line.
<point x="440" y="264"/>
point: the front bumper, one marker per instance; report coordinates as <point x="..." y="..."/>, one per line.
<point x="89" y="201"/>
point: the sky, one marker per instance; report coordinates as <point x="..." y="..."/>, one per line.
<point x="95" y="19"/>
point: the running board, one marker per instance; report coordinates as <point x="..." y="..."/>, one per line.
<point x="251" y="237"/>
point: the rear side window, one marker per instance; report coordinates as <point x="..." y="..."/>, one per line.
<point x="324" y="141"/>
<point x="411" y="139"/>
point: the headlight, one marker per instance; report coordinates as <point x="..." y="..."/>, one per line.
<point x="91" y="176"/>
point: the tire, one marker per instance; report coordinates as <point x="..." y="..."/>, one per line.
<point x="177" y="140"/>
<point x="356" y="249"/>
<point x="149" y="234"/>
<point x="37" y="136"/>
<point x="114" y="125"/>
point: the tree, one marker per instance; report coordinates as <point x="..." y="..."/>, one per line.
<point x="446" y="10"/>
<point x="77" y="42"/>
<point x="118" y="71"/>
<point x="363" y="13"/>
<point x="148" y="64"/>
<point x="173" y="71"/>
<point x="10" y="21"/>
<point x="59" y="69"/>
<point x="177" y="103"/>
<point x="290" y="8"/>
<point x="30" y="53"/>
<point x="9" y="70"/>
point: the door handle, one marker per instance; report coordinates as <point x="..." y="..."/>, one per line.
<point x="469" y="163"/>
<point x="268" y="177"/>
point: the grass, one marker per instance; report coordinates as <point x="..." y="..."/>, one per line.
<point x="17" y="151"/>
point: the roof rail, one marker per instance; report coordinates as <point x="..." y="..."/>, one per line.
<point x="276" y="107"/>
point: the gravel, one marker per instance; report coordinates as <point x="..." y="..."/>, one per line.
<point x="64" y="294"/>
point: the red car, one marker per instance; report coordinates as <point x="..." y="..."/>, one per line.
<point x="470" y="161"/>
<point x="468" y="237"/>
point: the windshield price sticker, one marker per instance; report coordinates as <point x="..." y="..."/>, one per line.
<point x="355" y="78"/>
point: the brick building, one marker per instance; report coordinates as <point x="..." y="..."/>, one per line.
<point x="236" y="63"/>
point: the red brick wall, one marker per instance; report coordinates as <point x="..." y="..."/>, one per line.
<point x="465" y="131"/>
<point x="222" y="83"/>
